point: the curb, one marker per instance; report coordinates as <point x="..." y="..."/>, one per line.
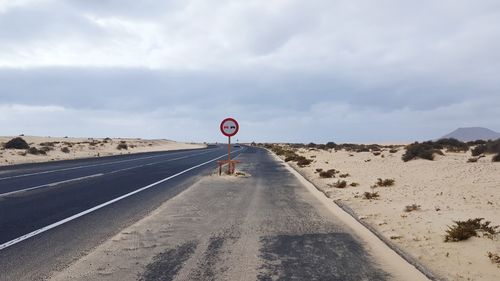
<point x="405" y="256"/>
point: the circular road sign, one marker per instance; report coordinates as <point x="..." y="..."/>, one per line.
<point x="229" y="127"/>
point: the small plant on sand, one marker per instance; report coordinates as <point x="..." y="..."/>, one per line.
<point x="36" y="151"/>
<point x="344" y="175"/>
<point x="340" y="184"/>
<point x="377" y="153"/>
<point x="122" y="145"/>
<point x="17" y="143"/>
<point x="354" y="184"/>
<point x="411" y="208"/>
<point x="328" y="174"/>
<point x="472" y="160"/>
<point x="370" y="195"/>
<point x="319" y="170"/>
<point x="385" y="182"/>
<point x="463" y="230"/>
<point x="494" y="258"/>
<point x="302" y="161"/>
<point x="496" y="158"/>
<point x="65" y="149"/>
<point x="393" y="150"/>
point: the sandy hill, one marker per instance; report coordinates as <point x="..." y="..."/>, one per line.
<point x="473" y="133"/>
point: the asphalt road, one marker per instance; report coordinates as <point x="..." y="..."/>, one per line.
<point x="51" y="213"/>
<point x="267" y="226"/>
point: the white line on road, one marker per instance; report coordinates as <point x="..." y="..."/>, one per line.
<point x="97" y="175"/>
<point x="73" y="217"/>
<point x="88" y="166"/>
<point x="49" y="185"/>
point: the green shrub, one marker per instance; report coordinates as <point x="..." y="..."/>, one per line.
<point x="463" y="230"/>
<point x="385" y="182"/>
<point x="328" y="174"/>
<point x="35" y="151"/>
<point x="371" y="195"/>
<point x="122" y="145"/>
<point x="16" y="143"/>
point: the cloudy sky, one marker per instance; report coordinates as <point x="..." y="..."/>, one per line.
<point x="288" y="70"/>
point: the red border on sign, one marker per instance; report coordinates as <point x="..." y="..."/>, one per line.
<point x="235" y="122"/>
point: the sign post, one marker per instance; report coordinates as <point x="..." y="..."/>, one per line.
<point x="229" y="127"/>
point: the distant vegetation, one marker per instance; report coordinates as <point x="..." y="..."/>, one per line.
<point x="17" y="143"/>
<point x="488" y="147"/>
<point x="122" y="145"/>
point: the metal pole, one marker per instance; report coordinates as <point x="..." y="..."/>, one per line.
<point x="229" y="156"/>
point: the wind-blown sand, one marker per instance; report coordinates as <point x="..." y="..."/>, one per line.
<point x="83" y="148"/>
<point x="446" y="189"/>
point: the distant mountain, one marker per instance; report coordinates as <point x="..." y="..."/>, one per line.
<point x="473" y="133"/>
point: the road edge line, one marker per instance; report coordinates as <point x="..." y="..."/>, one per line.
<point x="75" y="216"/>
<point x="365" y="233"/>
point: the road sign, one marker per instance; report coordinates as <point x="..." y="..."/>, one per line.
<point x="229" y="127"/>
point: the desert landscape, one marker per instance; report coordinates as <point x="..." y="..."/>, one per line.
<point x="34" y="149"/>
<point x="437" y="201"/>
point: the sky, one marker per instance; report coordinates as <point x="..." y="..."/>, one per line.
<point x="287" y="70"/>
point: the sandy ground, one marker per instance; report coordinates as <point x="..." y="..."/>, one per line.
<point x="446" y="189"/>
<point x="83" y="148"/>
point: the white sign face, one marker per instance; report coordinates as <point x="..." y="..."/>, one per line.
<point x="229" y="127"/>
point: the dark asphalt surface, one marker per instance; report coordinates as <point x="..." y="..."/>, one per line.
<point x="65" y="188"/>
<point x="267" y="226"/>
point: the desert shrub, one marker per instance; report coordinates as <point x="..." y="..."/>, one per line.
<point x="385" y="182"/>
<point x="494" y="258"/>
<point x="121" y="146"/>
<point x="419" y="150"/>
<point x="393" y="150"/>
<point x="302" y="161"/>
<point x="496" y="158"/>
<point x="478" y="150"/>
<point x="344" y="175"/>
<point x="319" y="170"/>
<point x="328" y="174"/>
<point x="354" y="184"/>
<point x="330" y="145"/>
<point x="377" y="153"/>
<point x="489" y="147"/>
<point x="65" y="149"/>
<point x="35" y="151"/>
<point x="453" y="145"/>
<point x="412" y="207"/>
<point x="17" y="143"/>
<point x="49" y="143"/>
<point x="463" y="230"/>
<point x="371" y="195"/>
<point x="47" y="148"/>
<point x="472" y="160"/>
<point x="340" y="184"/>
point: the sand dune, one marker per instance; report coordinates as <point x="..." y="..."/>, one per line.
<point x="83" y="147"/>
<point x="443" y="190"/>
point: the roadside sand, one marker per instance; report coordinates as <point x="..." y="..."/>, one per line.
<point x="83" y="148"/>
<point x="446" y="189"/>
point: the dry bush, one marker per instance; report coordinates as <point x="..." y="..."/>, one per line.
<point x="377" y="153"/>
<point x="302" y="161"/>
<point x="328" y="174"/>
<point x="319" y="170"/>
<point x="122" y="145"/>
<point x="16" y="143"/>
<point x="371" y="195"/>
<point x="36" y="151"/>
<point x="472" y="160"/>
<point x="340" y="184"/>
<point x="412" y="207"/>
<point x="385" y="182"/>
<point x="496" y="158"/>
<point x="463" y="230"/>
<point x="393" y="150"/>
<point x="494" y="258"/>
<point x="65" y="149"/>
<point x="354" y="184"/>
<point x="344" y="175"/>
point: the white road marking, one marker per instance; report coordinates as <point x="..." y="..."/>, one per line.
<point x="73" y="217"/>
<point x="88" y="166"/>
<point x="96" y="175"/>
<point x="49" y="185"/>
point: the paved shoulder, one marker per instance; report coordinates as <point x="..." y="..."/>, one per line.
<point x="263" y="226"/>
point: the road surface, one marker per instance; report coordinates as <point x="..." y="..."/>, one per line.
<point x="266" y="226"/>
